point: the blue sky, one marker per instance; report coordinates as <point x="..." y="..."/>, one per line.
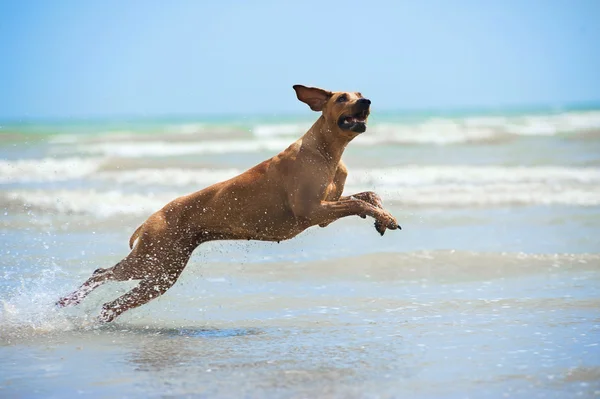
<point x="73" y="58"/>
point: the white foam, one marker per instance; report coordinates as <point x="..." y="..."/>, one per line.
<point x="439" y="131"/>
<point x="412" y="175"/>
<point x="412" y="186"/>
<point x="490" y="195"/>
<point x="114" y="203"/>
<point x="73" y="138"/>
<point x="481" y="185"/>
<point x="169" y="176"/>
<point x="287" y="129"/>
<point x="63" y="169"/>
<point x="133" y="149"/>
<point x="277" y="136"/>
<point x="457" y="130"/>
<point x="186" y="128"/>
<point x="415" y="175"/>
<point x="436" y="131"/>
<point x="50" y="169"/>
<point x="47" y="169"/>
<point x="549" y="125"/>
<point x="476" y="129"/>
<point x="102" y="204"/>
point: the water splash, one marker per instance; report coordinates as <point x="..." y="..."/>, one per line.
<point x="28" y="309"/>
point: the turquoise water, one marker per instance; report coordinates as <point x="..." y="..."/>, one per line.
<point x="245" y="122"/>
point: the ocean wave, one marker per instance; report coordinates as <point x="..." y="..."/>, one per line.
<point x="47" y="169"/>
<point x="380" y="177"/>
<point x="169" y="176"/>
<point x="104" y="204"/>
<point x="492" y="195"/>
<point x="284" y="129"/>
<point x="380" y="135"/>
<point x="483" y="129"/>
<point x="135" y="149"/>
<point x="415" y="175"/>
<point x="184" y="138"/>
<point x="439" y="130"/>
<point x="548" y="125"/>
<point x="125" y="172"/>
<point x="184" y="132"/>
<point x="101" y="204"/>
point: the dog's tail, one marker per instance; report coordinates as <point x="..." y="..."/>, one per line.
<point x="134" y="236"/>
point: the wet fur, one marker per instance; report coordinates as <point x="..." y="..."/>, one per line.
<point x="273" y="201"/>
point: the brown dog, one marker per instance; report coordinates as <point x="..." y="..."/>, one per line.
<point x="275" y="200"/>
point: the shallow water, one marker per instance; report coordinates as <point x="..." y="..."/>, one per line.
<point x="422" y="324"/>
<point x="490" y="290"/>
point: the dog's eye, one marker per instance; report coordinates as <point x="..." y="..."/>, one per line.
<point x="342" y="99"/>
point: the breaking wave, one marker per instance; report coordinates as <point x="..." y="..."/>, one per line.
<point x="438" y="186"/>
<point x="174" y="140"/>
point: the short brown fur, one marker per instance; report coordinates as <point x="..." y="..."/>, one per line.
<point x="273" y="201"/>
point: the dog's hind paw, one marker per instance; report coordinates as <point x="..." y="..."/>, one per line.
<point x="67" y="301"/>
<point x="106" y="315"/>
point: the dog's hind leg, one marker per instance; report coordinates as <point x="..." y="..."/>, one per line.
<point x="122" y="271"/>
<point x="98" y="278"/>
<point x="146" y="291"/>
<point x="162" y="272"/>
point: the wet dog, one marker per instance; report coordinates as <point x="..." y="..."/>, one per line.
<point x="273" y="201"/>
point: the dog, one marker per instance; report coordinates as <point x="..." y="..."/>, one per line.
<point x="274" y="201"/>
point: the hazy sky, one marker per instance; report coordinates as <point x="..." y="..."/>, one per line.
<point x="73" y="58"/>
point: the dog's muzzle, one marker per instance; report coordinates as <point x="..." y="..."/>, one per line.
<point x="357" y="120"/>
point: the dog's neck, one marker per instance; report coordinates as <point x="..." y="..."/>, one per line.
<point x="327" y="140"/>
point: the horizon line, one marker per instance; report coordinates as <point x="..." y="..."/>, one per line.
<point x="238" y="116"/>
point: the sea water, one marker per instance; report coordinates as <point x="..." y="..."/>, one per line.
<point x="490" y="289"/>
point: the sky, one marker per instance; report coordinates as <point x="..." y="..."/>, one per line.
<point x="73" y="58"/>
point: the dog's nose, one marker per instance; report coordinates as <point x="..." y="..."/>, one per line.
<point x="364" y="101"/>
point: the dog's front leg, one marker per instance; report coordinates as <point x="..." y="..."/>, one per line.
<point x="367" y="196"/>
<point x="373" y="199"/>
<point x="329" y="211"/>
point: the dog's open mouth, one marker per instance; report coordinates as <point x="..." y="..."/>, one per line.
<point x="356" y="122"/>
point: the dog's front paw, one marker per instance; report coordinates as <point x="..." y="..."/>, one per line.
<point x="386" y="221"/>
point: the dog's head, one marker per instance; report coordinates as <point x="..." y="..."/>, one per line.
<point x="348" y="111"/>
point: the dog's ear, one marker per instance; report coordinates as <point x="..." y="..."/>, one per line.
<point x="313" y="96"/>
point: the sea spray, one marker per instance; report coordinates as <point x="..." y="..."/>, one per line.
<point x="28" y="308"/>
